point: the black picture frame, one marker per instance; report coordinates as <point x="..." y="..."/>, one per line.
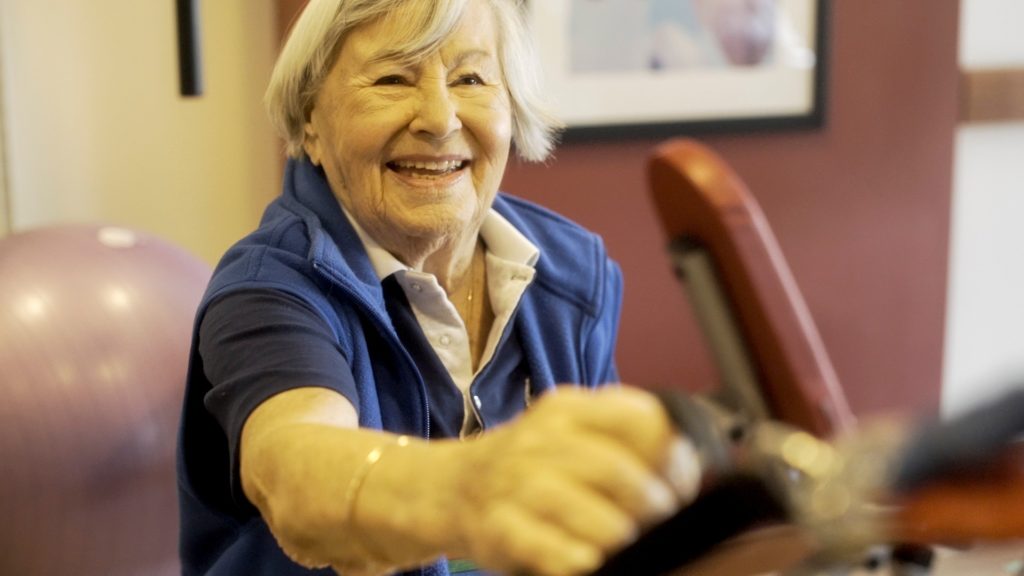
<point x="808" y="112"/>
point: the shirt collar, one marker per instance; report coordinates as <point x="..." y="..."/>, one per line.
<point x="499" y="235"/>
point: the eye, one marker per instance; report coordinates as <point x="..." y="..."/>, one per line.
<point x="469" y="80"/>
<point x="391" y="80"/>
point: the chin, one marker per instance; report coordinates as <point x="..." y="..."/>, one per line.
<point x="438" y="229"/>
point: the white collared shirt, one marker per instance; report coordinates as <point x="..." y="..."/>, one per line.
<point x="510" y="259"/>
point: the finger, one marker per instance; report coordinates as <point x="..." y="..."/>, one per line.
<point x="677" y="461"/>
<point x="683" y="470"/>
<point x="628" y="416"/>
<point x="582" y="513"/>
<point x="619" y="476"/>
<point x="514" y="540"/>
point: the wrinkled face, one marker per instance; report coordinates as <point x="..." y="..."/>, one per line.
<point x="415" y="152"/>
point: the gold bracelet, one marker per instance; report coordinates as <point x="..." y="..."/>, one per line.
<point x="355" y="485"/>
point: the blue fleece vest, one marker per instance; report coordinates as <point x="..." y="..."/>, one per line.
<point x="565" y="328"/>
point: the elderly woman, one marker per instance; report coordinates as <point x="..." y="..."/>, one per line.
<point x="360" y="359"/>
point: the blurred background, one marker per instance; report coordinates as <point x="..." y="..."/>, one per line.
<point x="899" y="217"/>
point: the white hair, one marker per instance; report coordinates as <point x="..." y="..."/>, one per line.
<point x="316" y="36"/>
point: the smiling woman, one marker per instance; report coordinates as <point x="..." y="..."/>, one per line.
<point x="392" y="295"/>
<point x="415" y="151"/>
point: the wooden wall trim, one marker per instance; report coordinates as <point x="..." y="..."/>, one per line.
<point x="992" y="95"/>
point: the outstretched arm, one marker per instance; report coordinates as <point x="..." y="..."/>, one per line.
<point x="555" y="492"/>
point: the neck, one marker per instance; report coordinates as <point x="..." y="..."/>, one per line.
<point x="452" y="265"/>
<point x="448" y="259"/>
<point x="473" y="304"/>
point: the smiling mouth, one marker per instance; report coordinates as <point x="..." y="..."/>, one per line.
<point x="419" y="169"/>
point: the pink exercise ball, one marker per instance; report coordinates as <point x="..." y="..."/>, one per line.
<point x="95" y="324"/>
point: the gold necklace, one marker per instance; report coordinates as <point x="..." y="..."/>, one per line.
<point x="471" y="328"/>
<point x="469" y="296"/>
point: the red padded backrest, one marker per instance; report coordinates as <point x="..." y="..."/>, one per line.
<point x="699" y="197"/>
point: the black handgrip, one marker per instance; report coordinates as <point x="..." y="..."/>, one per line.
<point x="733" y="502"/>
<point x="699" y="425"/>
<point x="961" y="445"/>
<point x="730" y="507"/>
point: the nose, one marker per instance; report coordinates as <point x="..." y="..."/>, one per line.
<point x="437" y="114"/>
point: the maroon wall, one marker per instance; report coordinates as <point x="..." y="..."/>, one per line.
<point x="861" y="209"/>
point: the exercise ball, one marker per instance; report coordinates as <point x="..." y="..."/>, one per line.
<point x="95" y="324"/>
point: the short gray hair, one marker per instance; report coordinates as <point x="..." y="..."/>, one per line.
<point x="316" y="36"/>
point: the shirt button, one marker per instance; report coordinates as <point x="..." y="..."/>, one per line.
<point x="416" y="286"/>
<point x="446" y="340"/>
<point x="476" y="400"/>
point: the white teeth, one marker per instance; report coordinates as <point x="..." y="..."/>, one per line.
<point x="446" y="166"/>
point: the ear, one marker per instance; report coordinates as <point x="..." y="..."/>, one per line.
<point x="311" y="142"/>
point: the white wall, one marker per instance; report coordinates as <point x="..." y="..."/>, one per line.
<point x="96" y="130"/>
<point x="985" y="317"/>
<point x="4" y="216"/>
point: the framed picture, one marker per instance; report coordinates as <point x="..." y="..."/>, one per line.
<point x="664" y="67"/>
